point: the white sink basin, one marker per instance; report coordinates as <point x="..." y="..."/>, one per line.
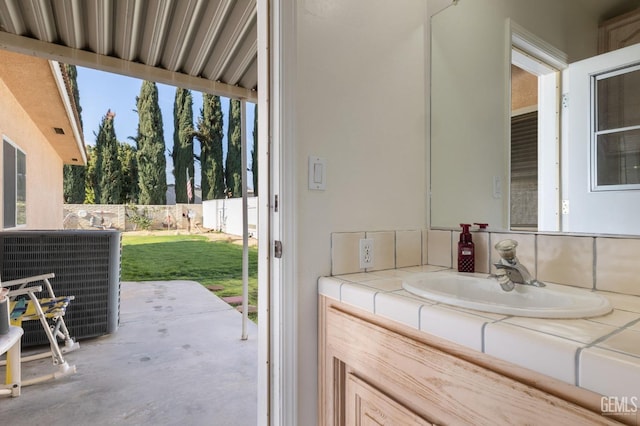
<point x="477" y="291"/>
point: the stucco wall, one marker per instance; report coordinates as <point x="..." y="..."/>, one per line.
<point x="44" y="166"/>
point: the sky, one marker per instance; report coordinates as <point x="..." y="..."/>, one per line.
<point x="101" y="91"/>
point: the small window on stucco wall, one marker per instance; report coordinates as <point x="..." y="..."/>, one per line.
<point x="14" y="177"/>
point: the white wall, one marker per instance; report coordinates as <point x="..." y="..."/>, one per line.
<point x="226" y="215"/>
<point x="358" y="102"/>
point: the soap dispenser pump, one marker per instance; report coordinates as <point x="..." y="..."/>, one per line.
<point x="466" y="252"/>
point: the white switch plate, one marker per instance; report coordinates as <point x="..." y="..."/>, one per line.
<point x="497" y="187"/>
<point x="317" y="173"/>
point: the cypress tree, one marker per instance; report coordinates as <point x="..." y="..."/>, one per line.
<point x="152" y="177"/>
<point x="127" y="156"/>
<point x="90" y="176"/>
<point x="73" y="183"/>
<point x="96" y="174"/>
<point x="182" y="142"/>
<point x="233" y="169"/>
<point x="74" y="176"/>
<point x="254" y="151"/>
<point x="72" y="74"/>
<point x="108" y="167"/>
<point x="210" y="136"/>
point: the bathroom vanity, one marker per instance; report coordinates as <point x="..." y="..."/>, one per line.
<point x="388" y="357"/>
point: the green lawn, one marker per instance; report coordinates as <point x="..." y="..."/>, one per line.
<point x="188" y="257"/>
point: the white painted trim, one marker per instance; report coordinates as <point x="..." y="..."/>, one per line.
<point x="536" y="56"/>
<point x="284" y="297"/>
<point x="286" y="170"/>
<point x="245" y="220"/>
<point x="530" y="63"/>
<point x="549" y="152"/>
<point x="66" y="101"/>
<point x="264" y="215"/>
<point x="17" y="148"/>
<point x="427" y="108"/>
<point x="531" y="44"/>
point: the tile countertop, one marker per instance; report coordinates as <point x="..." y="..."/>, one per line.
<point x="601" y="354"/>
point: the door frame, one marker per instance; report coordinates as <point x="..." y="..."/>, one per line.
<point x="539" y="58"/>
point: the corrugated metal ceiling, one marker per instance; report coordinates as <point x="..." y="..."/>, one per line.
<point x="214" y="40"/>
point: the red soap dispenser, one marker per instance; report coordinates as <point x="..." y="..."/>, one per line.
<point x="466" y="254"/>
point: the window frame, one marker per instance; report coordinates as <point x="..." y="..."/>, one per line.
<point x="19" y="217"/>
<point x="595" y="187"/>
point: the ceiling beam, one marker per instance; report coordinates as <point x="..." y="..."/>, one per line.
<point x="50" y="51"/>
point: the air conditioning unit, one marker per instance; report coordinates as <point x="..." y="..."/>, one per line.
<point x="86" y="264"/>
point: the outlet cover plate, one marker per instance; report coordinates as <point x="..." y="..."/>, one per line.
<point x="366" y="253"/>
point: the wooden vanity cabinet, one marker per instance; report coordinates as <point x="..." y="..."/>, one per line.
<point x="377" y="372"/>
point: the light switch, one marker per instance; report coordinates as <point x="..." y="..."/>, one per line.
<point x="317" y="173"/>
<point x="497" y="187"/>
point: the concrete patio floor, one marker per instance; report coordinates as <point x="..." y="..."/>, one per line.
<point x="176" y="359"/>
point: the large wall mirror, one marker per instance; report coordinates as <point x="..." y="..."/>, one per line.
<point x="501" y="98"/>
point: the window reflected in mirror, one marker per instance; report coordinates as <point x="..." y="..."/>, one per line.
<point x="617" y="135"/>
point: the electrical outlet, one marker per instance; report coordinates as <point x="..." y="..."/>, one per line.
<point x="366" y="253"/>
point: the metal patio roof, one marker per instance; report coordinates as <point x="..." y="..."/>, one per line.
<point x="205" y="45"/>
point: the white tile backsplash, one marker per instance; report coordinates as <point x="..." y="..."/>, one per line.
<point x="617" y="266"/>
<point x="408" y="248"/>
<point x="439" y="248"/>
<point x="345" y="249"/>
<point x="614" y="261"/>
<point x="384" y="249"/>
<point x="566" y="259"/>
<point x="425" y="237"/>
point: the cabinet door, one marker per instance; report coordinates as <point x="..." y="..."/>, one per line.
<point x="619" y="32"/>
<point x="366" y="405"/>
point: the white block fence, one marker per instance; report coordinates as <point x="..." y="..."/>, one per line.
<point x="226" y="215"/>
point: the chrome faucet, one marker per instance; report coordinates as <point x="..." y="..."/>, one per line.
<point x="509" y="271"/>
